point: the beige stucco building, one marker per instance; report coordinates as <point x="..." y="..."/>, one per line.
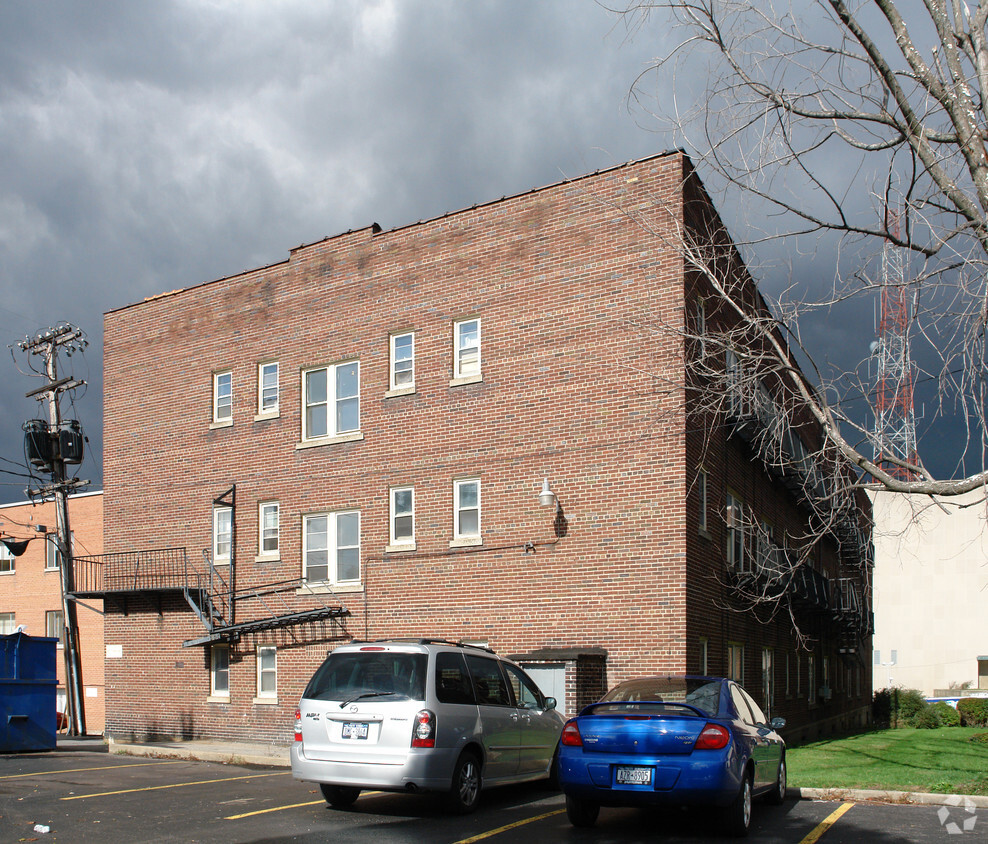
<point x="931" y="592"/>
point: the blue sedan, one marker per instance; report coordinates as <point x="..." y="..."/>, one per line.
<point x="667" y="741"/>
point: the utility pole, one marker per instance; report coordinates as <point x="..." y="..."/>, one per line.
<point x="47" y="345"/>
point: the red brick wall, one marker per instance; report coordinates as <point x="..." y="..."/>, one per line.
<point x="31" y="591"/>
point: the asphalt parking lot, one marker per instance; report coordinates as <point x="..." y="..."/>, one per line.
<point x="98" y="797"/>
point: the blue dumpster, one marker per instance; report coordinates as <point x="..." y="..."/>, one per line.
<point x="27" y="693"/>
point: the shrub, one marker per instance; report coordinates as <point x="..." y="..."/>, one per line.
<point x="946" y="714"/>
<point x="897" y="707"/>
<point x="925" y="719"/>
<point x="973" y="711"/>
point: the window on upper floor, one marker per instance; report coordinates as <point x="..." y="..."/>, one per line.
<point x="53" y="554"/>
<point x="331" y="547"/>
<point x="267" y="671"/>
<point x="267" y="389"/>
<point x="222" y="397"/>
<point x="736" y="550"/>
<point x="466" y="510"/>
<point x="268" y="528"/>
<point x="403" y="361"/>
<point x="219" y="671"/>
<point x="466" y="350"/>
<point x="6" y="560"/>
<point x="331" y="395"/>
<point x="402" y="515"/>
<point x="701" y="328"/>
<point x="701" y="489"/>
<point x="222" y="535"/>
<point x="8" y="623"/>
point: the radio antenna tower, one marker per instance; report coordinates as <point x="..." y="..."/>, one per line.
<point x="895" y="417"/>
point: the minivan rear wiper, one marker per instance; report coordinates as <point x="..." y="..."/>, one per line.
<point x="363" y="695"/>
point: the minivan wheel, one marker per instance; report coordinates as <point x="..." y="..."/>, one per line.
<point x="464" y="792"/>
<point x="581" y="812"/>
<point x="339" y="796"/>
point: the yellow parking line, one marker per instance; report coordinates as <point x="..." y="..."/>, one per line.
<point x="79" y="770"/>
<point x="272" y="809"/>
<point x="827" y="822"/>
<point x="514" y="825"/>
<point x="174" y="785"/>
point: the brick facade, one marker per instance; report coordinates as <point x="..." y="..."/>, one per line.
<point x="31" y="591"/>
<point x="572" y="388"/>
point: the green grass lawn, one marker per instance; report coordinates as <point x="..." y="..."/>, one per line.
<point x="943" y="761"/>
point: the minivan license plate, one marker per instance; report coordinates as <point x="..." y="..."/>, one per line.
<point x="354" y="730"/>
<point x="633" y="776"/>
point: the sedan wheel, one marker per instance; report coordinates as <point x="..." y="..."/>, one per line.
<point x="581" y="812"/>
<point x="778" y="794"/>
<point x="339" y="796"/>
<point x="464" y="794"/>
<point x="737" y="816"/>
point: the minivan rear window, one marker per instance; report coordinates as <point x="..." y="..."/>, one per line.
<point x="355" y="675"/>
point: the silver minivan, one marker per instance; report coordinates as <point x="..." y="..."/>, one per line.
<point x="422" y="715"/>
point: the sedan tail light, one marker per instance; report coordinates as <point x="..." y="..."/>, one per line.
<point x="571" y="735"/>
<point x="712" y="737"/>
<point x="298" y="725"/>
<point x="424" y="729"/>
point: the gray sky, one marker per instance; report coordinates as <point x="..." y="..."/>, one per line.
<point x="148" y="146"/>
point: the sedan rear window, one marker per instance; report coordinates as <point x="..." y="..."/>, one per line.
<point x="356" y="675"/>
<point x="703" y="694"/>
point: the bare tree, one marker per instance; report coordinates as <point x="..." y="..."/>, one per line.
<point x="865" y="121"/>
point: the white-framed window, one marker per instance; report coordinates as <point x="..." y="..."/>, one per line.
<point x="331" y="398"/>
<point x="466" y="349"/>
<point x="402" y="361"/>
<point x="797" y="669"/>
<point x="788" y="682"/>
<point x="6" y="560"/>
<point x="735" y="533"/>
<point x="402" y="515"/>
<point x="8" y="623"/>
<point x="811" y="678"/>
<point x="768" y="680"/>
<point x="53" y="556"/>
<point x="466" y="509"/>
<point x="223" y="396"/>
<point x="219" y="671"/>
<point x="268" y="528"/>
<point x="701" y="489"/>
<point x="267" y="671"/>
<point x="222" y="534"/>
<point x="267" y="388"/>
<point x="704" y="655"/>
<point x="701" y="328"/>
<point x="55" y="626"/>
<point x="331" y="547"/>
<point x="735" y="662"/>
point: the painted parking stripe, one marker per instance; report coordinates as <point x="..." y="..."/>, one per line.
<point x="80" y="770"/>
<point x="827" y="822"/>
<point x="174" y="785"/>
<point x="291" y="806"/>
<point x="505" y="828"/>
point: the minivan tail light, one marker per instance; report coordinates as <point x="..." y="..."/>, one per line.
<point x="571" y="735"/>
<point x="298" y="725"/>
<point x="712" y="737"/>
<point x="424" y="729"/>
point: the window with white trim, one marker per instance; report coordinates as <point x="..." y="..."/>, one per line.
<point x="55" y="626"/>
<point x="811" y="678"/>
<point x="768" y="680"/>
<point x="8" y="623"/>
<point x="402" y="361"/>
<point x="53" y="554"/>
<point x="223" y="396"/>
<point x="331" y="399"/>
<point x="466" y="349"/>
<point x="704" y="655"/>
<point x="268" y="528"/>
<point x="6" y="560"/>
<point x="466" y="509"/>
<point x="267" y="389"/>
<point x="219" y="671"/>
<point x="701" y="328"/>
<point x="701" y="488"/>
<point x="331" y="547"/>
<point x="735" y="532"/>
<point x="222" y="534"/>
<point x="735" y="662"/>
<point x="402" y="515"/>
<point x="267" y="671"/>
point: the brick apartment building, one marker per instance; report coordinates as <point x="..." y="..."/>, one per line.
<point x="31" y="590"/>
<point x="352" y="444"/>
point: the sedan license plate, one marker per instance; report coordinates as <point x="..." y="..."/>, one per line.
<point x="354" y="730"/>
<point x="627" y="775"/>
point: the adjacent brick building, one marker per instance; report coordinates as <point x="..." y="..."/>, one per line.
<point x="353" y="442"/>
<point x="31" y="590"/>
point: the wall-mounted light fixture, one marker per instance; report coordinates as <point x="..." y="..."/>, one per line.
<point x="547" y="498"/>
